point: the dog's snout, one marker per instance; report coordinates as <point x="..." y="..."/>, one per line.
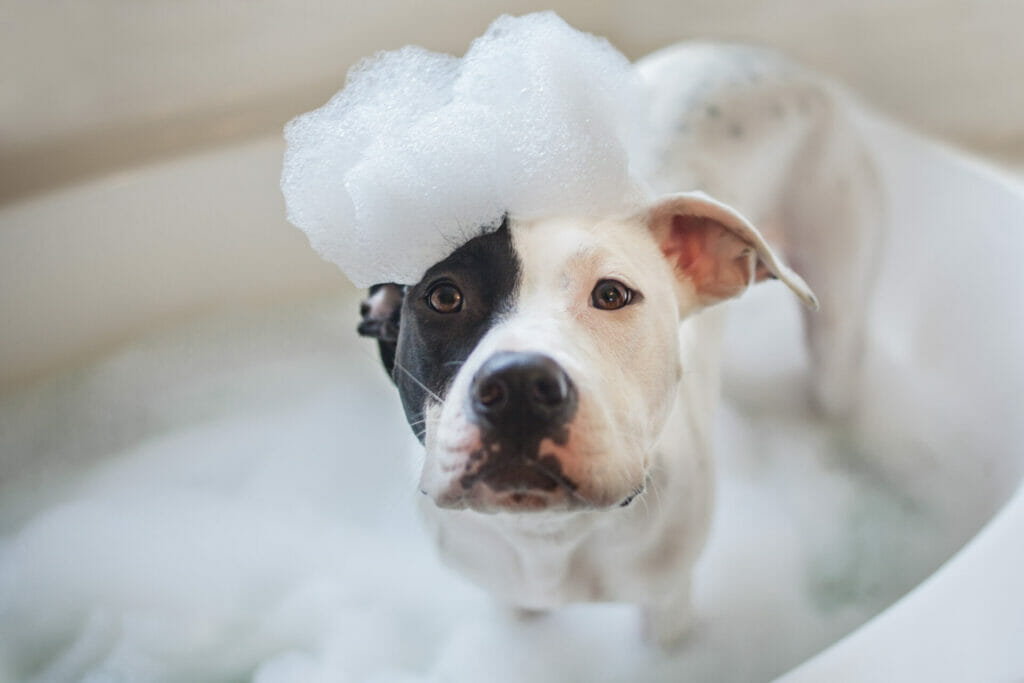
<point x="523" y="390"/>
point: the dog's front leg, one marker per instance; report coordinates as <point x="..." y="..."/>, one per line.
<point x="667" y="620"/>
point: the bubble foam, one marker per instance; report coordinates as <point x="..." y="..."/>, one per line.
<point x="422" y="151"/>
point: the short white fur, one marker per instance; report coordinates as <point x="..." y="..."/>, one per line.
<point x="648" y="373"/>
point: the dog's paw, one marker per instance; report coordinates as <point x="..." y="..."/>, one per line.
<point x="668" y="626"/>
<point x="527" y="614"/>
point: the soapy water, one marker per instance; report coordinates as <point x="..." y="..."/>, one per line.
<point x="247" y="511"/>
<point x="422" y="151"/>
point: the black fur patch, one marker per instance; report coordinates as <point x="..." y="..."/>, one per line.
<point x="432" y="346"/>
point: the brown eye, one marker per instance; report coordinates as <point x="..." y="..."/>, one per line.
<point x="609" y="295"/>
<point x="444" y="297"/>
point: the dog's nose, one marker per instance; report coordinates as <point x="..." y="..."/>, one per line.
<point x="527" y="391"/>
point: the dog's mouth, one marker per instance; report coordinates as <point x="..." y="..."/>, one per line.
<point x="482" y="498"/>
<point x="523" y="485"/>
<point x="517" y="475"/>
<point x="633" y="495"/>
<point x="522" y="501"/>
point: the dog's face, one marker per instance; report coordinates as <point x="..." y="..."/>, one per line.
<point x="538" y="363"/>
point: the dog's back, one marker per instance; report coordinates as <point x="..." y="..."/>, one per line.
<point x="781" y="145"/>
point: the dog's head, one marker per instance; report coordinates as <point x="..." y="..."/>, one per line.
<point x="538" y="363"/>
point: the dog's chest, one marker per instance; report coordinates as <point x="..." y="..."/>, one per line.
<point x="534" y="568"/>
<point x="601" y="559"/>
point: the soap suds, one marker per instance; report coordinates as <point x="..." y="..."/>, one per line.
<point x="422" y="151"/>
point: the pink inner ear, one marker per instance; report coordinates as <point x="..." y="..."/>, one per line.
<point x="719" y="263"/>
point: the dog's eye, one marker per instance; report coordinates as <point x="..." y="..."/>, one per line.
<point x="609" y="295"/>
<point x="444" y="297"/>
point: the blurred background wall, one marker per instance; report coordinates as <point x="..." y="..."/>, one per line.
<point x="140" y="139"/>
<point x="91" y="85"/>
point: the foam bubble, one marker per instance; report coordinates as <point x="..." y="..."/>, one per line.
<point x="422" y="151"/>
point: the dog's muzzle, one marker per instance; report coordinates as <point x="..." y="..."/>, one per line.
<point x="523" y="404"/>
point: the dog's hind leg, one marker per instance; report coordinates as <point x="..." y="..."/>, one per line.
<point x="832" y="220"/>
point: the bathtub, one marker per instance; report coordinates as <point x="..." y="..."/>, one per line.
<point x="148" y="533"/>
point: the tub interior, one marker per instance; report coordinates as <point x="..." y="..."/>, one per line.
<point x="233" y="497"/>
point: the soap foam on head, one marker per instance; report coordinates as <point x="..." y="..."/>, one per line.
<point x="422" y="151"/>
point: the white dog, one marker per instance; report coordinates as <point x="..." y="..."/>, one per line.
<point x="558" y="371"/>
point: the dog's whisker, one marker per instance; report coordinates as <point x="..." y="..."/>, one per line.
<point x="418" y="382"/>
<point x="656" y="492"/>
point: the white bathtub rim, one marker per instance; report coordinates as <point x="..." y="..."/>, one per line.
<point x="964" y="621"/>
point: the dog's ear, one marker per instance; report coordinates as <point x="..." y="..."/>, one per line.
<point x="716" y="250"/>
<point x="381" y="315"/>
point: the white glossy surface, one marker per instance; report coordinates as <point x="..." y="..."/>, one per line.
<point x="965" y="623"/>
<point x="92" y="265"/>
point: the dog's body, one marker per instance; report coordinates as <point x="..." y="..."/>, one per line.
<point x="562" y="374"/>
<point x="780" y="145"/>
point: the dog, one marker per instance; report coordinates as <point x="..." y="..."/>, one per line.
<point x="562" y="374"/>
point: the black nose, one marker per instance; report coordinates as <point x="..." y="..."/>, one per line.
<point x="522" y="391"/>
